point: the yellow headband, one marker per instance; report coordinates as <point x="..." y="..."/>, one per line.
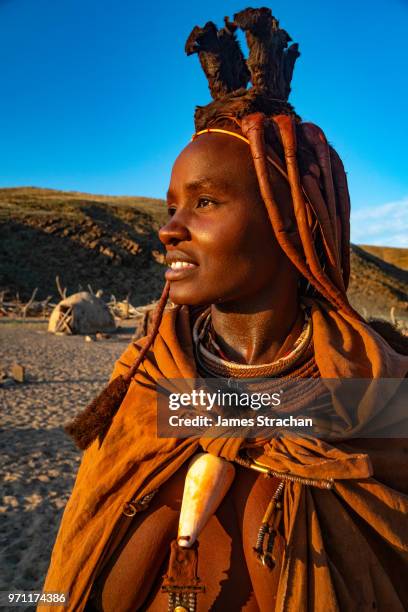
<point x="236" y="135"/>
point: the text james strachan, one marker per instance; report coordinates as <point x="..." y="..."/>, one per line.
<point x="222" y="421"/>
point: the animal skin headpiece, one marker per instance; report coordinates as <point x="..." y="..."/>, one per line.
<point x="269" y="66"/>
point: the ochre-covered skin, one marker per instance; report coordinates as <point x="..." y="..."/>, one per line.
<point x="224" y="553"/>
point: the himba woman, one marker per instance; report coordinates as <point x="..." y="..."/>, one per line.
<point x="259" y="217"/>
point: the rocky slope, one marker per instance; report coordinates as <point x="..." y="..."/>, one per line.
<point x="111" y="243"/>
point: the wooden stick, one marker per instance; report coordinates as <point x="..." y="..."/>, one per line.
<point x="30" y="302"/>
<point x="61" y="321"/>
<point x="63" y="293"/>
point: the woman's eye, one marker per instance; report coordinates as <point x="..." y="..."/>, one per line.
<point x="171" y="210"/>
<point x="203" y="202"/>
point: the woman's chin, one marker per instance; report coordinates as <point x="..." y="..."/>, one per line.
<point x="182" y="294"/>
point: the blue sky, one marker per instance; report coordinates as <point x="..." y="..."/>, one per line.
<point x="98" y="96"/>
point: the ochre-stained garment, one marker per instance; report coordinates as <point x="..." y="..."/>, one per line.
<point x="346" y="549"/>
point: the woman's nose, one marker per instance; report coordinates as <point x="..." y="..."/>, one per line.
<point x="174" y="231"/>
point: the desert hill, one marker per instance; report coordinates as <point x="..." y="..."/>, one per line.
<point x="111" y="243"/>
<point x="393" y="255"/>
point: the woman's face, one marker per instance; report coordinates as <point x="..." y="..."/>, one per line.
<point x="219" y="240"/>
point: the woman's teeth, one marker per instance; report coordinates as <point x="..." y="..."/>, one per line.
<point x="177" y="265"/>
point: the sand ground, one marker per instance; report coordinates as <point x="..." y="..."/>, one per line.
<point x="39" y="461"/>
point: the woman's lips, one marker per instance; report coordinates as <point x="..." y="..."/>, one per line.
<point x="179" y="269"/>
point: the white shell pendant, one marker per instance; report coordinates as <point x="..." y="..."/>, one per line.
<point x="207" y="481"/>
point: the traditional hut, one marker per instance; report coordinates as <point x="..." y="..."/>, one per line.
<point x="81" y="313"/>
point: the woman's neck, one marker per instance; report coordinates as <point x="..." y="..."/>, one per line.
<point x="261" y="331"/>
